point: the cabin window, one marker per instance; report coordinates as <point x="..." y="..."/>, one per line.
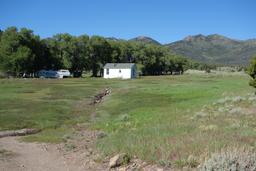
<point x="120" y="71"/>
<point x="107" y="71"/>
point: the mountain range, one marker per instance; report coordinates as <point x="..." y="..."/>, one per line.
<point x="212" y="48"/>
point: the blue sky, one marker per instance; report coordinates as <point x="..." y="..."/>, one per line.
<point x="164" y="20"/>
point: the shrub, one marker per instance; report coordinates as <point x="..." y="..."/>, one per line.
<point x="252" y="83"/>
<point x="252" y="72"/>
<point x="190" y="162"/>
<point x="234" y="159"/>
<point x="2" y="75"/>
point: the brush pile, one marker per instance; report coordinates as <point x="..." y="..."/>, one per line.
<point x="98" y="98"/>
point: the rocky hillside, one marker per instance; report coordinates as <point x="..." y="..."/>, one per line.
<point x="146" y="40"/>
<point x="212" y="49"/>
<point x="215" y="49"/>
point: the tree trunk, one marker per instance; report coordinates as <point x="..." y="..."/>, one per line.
<point x="94" y="71"/>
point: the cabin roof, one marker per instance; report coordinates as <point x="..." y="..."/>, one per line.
<point x="119" y="65"/>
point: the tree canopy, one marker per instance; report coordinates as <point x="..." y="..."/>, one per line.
<point x="21" y="51"/>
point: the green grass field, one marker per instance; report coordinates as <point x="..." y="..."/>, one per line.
<point x="152" y="118"/>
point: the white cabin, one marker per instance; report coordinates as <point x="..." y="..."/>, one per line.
<point x="120" y="70"/>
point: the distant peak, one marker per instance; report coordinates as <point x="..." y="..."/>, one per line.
<point x="145" y="39"/>
<point x="188" y="38"/>
<point x="199" y="35"/>
<point x="217" y="36"/>
<point x="112" y="38"/>
<point x="142" y="37"/>
<point x="194" y="37"/>
<point x="208" y="37"/>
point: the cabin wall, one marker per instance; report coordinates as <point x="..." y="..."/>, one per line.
<point x="114" y="73"/>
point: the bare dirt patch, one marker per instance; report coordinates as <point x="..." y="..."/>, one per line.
<point x="75" y="155"/>
<point x="31" y="156"/>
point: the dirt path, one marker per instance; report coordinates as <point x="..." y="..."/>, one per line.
<point x="32" y="156"/>
<point x="16" y="155"/>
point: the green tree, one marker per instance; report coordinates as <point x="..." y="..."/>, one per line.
<point x="22" y="60"/>
<point x="80" y="57"/>
<point x="100" y="53"/>
<point x="0" y="34"/>
<point x="34" y="49"/>
<point x="54" y="58"/>
<point x="116" y="51"/>
<point x="63" y="49"/>
<point x="9" y="44"/>
<point x="252" y="72"/>
<point x="18" y="50"/>
<point x="126" y="51"/>
<point x="180" y="64"/>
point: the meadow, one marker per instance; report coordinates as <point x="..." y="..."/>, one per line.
<point x="177" y="120"/>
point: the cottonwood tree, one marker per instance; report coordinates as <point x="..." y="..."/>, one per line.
<point x="80" y="58"/>
<point x="15" y="55"/>
<point x="1" y="33"/>
<point x="252" y="72"/>
<point x="100" y="53"/>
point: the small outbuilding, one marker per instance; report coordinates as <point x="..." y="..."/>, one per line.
<point x="120" y="70"/>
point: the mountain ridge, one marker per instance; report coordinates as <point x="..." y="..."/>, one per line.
<point x="215" y="48"/>
<point x="212" y="48"/>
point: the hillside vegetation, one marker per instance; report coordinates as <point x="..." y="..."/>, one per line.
<point x="145" y="40"/>
<point x="211" y="49"/>
<point x="215" y="49"/>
